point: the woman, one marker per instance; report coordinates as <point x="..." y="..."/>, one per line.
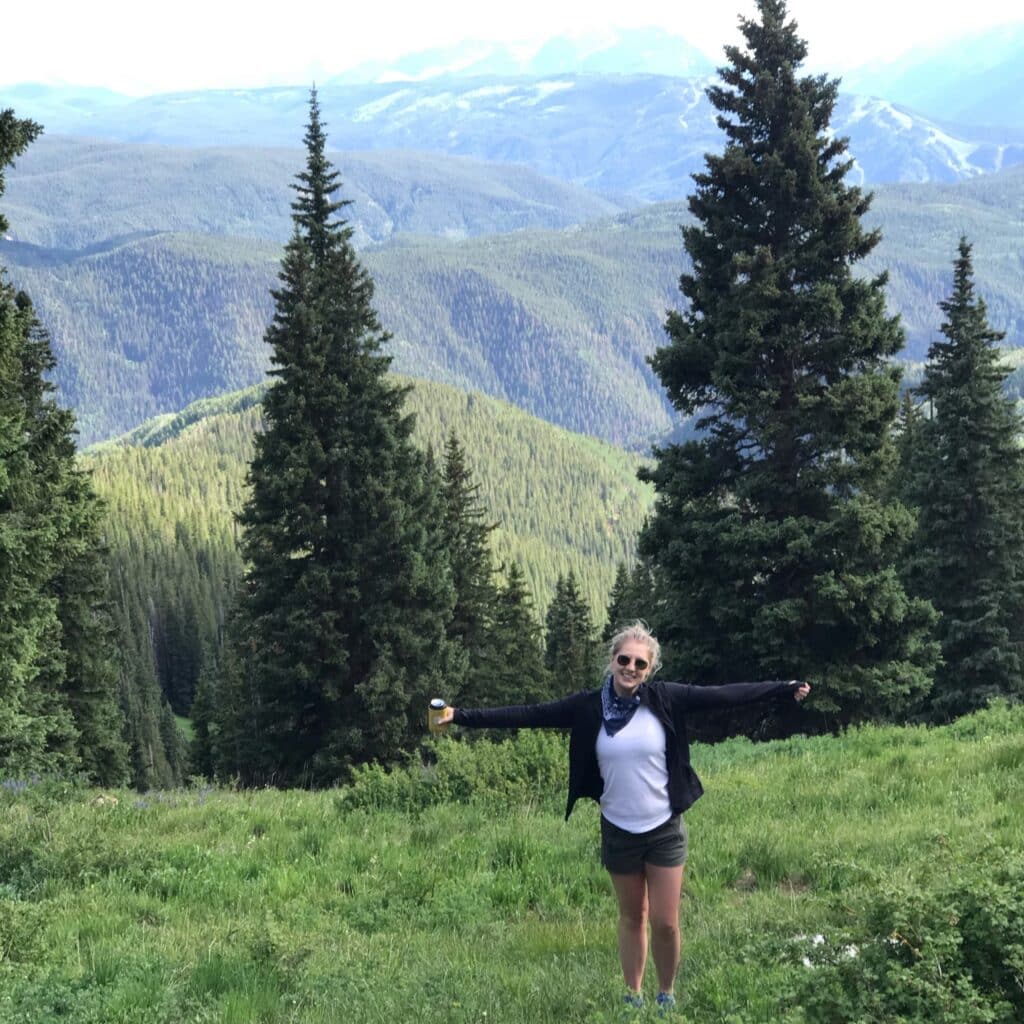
<point x="628" y="750"/>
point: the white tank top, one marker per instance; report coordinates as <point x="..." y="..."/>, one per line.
<point x="635" y="774"/>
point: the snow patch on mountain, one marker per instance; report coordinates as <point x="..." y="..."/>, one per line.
<point x="959" y="149"/>
<point x="900" y="145"/>
<point x="542" y="90"/>
<point x="880" y="111"/>
<point x="488" y="90"/>
<point x="368" y="111"/>
<point x="438" y="102"/>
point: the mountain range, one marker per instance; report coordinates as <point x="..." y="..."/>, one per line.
<point x="629" y="137"/>
<point x="163" y="300"/>
<point x="977" y="79"/>
<point x="522" y="227"/>
<point x="75" y="194"/>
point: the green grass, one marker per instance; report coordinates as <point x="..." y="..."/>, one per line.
<point x="209" y="905"/>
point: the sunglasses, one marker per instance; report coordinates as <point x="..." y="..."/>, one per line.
<point x="625" y="661"/>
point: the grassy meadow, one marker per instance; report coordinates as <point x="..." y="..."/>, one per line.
<point x="452" y="891"/>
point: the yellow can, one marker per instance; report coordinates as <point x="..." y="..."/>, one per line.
<point x="434" y="712"/>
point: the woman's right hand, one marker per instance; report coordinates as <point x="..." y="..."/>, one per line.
<point x="445" y="718"/>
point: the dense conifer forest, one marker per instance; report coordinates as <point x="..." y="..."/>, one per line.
<point x="561" y="503"/>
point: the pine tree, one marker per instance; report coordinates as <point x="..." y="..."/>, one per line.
<point x="224" y="716"/>
<point x="58" y="681"/>
<point x="86" y="679"/>
<point x="22" y="619"/>
<point x="966" y="478"/>
<point x="467" y="540"/>
<point x="16" y="135"/>
<point x="905" y="482"/>
<point x="774" y="547"/>
<point x="571" y="653"/>
<point x="33" y="720"/>
<point x="139" y="695"/>
<point x="631" y="598"/>
<point x="348" y="591"/>
<point x="511" y="668"/>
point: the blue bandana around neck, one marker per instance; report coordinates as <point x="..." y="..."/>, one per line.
<point x="615" y="710"/>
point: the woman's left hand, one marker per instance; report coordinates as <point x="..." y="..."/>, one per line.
<point x="801" y="691"/>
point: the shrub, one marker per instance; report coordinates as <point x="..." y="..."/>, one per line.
<point x="952" y="953"/>
<point x="1000" y="718"/>
<point x="529" y="767"/>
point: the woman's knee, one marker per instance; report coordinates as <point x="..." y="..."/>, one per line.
<point x="633" y="913"/>
<point x="634" y="917"/>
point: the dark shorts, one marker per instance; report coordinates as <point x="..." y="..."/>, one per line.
<point x="626" y="853"/>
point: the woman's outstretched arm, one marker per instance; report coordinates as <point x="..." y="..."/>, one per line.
<point x="734" y="694"/>
<point x="556" y="714"/>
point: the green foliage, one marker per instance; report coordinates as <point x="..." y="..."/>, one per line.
<point x="172" y="487"/>
<point x="631" y="598"/>
<point x="467" y="533"/>
<point x="30" y="709"/>
<point x="773" y="544"/>
<point x="525" y="770"/>
<point x="963" y="471"/>
<point x="340" y="628"/>
<point x="571" y="653"/>
<point x="58" y="680"/>
<point x="511" y="669"/>
<point x="915" y="953"/>
<point x="493" y="622"/>
<point x="16" y="135"/>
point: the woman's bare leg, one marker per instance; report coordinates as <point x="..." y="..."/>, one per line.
<point x="631" y="892"/>
<point x="664" y="886"/>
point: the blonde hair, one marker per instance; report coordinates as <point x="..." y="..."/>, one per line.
<point x="639" y="632"/>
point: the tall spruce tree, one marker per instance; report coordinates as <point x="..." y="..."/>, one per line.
<point x="467" y="531"/>
<point x="511" y="669"/>
<point x="22" y="736"/>
<point x="16" y="135"/>
<point x="774" y="547"/>
<point x="631" y="598"/>
<point x="571" y="652"/>
<point x="965" y="475"/>
<point x="140" y="696"/>
<point x="86" y="677"/>
<point x="58" y="679"/>
<point x="35" y="726"/>
<point x="348" y="593"/>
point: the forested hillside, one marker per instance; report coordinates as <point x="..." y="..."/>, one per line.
<point x="921" y="226"/>
<point x="561" y="503"/>
<point x="559" y="322"/>
<point x="150" y="324"/>
<point x="71" y="193"/>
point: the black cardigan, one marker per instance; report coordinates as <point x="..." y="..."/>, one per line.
<point x="581" y="714"/>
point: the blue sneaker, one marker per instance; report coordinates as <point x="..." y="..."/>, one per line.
<point x="666" y="1004"/>
<point x="632" y="1004"/>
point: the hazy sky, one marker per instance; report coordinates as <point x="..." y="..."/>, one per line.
<point x="140" y="48"/>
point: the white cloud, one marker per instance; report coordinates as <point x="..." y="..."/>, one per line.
<point x="140" y="48"/>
